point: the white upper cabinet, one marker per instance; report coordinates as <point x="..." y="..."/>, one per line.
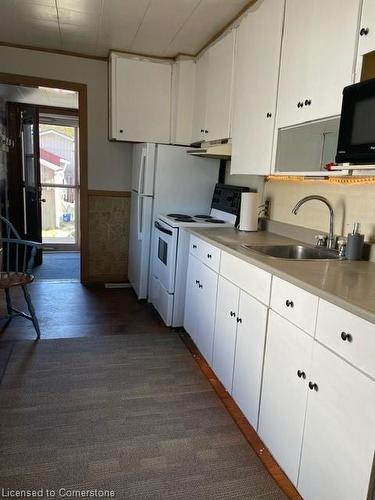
<point x="367" y="28"/>
<point x="140" y="99"/>
<point x="220" y="88"/>
<point x="255" y="87"/>
<point x="200" y="96"/>
<point x="318" y="58"/>
<point x="183" y="84"/>
<point x="213" y="91"/>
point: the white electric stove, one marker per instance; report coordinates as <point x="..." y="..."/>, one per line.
<point x="170" y="250"/>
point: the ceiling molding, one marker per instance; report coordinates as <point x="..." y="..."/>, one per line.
<point x="53" y="51"/>
<point x="135" y="54"/>
<point x="226" y="27"/>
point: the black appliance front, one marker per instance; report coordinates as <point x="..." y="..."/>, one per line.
<point x="227" y="198"/>
<point x="356" y="143"/>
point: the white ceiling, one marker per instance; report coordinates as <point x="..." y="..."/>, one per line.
<point x="153" y="27"/>
<point x="40" y="96"/>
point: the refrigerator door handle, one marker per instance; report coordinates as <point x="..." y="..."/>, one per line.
<point x="142" y="172"/>
<point x="139" y="217"/>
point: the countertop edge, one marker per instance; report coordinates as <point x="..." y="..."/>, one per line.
<point x="334" y="299"/>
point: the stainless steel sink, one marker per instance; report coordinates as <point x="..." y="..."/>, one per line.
<point x="294" y="252"/>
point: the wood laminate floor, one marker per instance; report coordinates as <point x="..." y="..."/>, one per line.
<point x="72" y="310"/>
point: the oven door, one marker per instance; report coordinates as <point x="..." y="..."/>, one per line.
<point x="164" y="254"/>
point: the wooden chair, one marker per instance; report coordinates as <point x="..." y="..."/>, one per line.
<point x="17" y="263"/>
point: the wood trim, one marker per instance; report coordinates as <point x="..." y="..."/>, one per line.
<point x="247" y="430"/>
<point x="53" y="51"/>
<point x="35" y="81"/>
<point x="81" y="88"/>
<point x="59" y="111"/>
<point x="227" y="26"/>
<point x="112" y="194"/>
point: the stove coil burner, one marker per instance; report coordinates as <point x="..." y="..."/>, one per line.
<point x="185" y="219"/>
<point x="179" y="216"/>
<point x="203" y="216"/>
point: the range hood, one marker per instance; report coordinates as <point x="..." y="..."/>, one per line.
<point x="220" y="151"/>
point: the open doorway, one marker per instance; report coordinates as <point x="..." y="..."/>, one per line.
<point x="44" y="175"/>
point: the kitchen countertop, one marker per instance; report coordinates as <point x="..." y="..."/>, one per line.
<point x="347" y="284"/>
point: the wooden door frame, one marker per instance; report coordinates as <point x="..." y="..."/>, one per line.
<point x="81" y="88"/>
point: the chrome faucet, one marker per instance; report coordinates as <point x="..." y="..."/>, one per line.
<point x="331" y="238"/>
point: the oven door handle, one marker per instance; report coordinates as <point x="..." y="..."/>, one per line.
<point x="162" y="229"/>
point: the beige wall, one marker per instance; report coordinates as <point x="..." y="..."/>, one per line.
<point x="108" y="162"/>
<point x="351" y="203"/>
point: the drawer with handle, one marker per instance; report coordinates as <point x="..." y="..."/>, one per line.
<point x="251" y="279"/>
<point x="349" y="336"/>
<point x="207" y="253"/>
<point x="295" y="304"/>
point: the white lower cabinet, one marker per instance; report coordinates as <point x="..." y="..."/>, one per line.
<point x="310" y="398"/>
<point x="284" y="392"/>
<point x="225" y="331"/>
<point x="248" y="364"/>
<point x="200" y="306"/>
<point x="339" y="440"/>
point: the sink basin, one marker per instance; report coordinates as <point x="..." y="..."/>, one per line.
<point x="294" y="252"/>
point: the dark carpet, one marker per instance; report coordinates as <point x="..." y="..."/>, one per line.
<point x="58" y="266"/>
<point x="131" y="413"/>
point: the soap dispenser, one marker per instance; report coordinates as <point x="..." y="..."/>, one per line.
<point x="354" y="246"/>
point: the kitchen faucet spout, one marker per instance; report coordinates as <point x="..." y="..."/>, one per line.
<point x="331" y="237"/>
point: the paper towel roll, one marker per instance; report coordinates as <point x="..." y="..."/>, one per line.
<point x="249" y="212"/>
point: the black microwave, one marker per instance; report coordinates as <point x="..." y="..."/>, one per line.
<point x="356" y="143"/>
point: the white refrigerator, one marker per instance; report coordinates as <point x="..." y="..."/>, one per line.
<point x="165" y="179"/>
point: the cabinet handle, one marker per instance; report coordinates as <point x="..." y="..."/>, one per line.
<point x="313" y="386"/>
<point x="202" y="130"/>
<point x="194" y="246"/>
<point x="197" y="282"/>
<point x="364" y="31"/>
<point x="209" y="256"/>
<point x="300" y="104"/>
<point x="346" y="337"/>
<point x="269" y="115"/>
<point x="200" y="286"/>
<point x="121" y="131"/>
<point x="239" y="320"/>
<point x="301" y="374"/>
<point x="232" y="314"/>
<point x="308" y="102"/>
<point x="289" y="303"/>
<point x="206" y="131"/>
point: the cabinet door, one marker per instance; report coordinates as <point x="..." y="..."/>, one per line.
<point x="192" y="298"/>
<point x="200" y="96"/>
<point x="225" y="331"/>
<point x="140" y="100"/>
<point x="317" y="58"/>
<point x="255" y="88"/>
<point x="248" y="364"/>
<point x="367" y="28"/>
<point x="219" y="88"/>
<point x="207" y="288"/>
<point x="339" y="441"/>
<point x="284" y="392"/>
